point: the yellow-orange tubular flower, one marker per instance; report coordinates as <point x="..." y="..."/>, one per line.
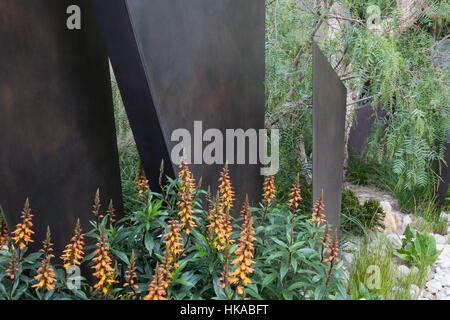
<point x="158" y="286"/>
<point x="219" y="226"/>
<point x="3" y="233"/>
<point x="186" y="198"/>
<point x="333" y="251"/>
<point x="173" y="242"/>
<point x="269" y="190"/>
<point x="130" y="275"/>
<point x="13" y="266"/>
<point x="245" y="250"/>
<point x="295" y="195"/>
<point x="142" y="183"/>
<point x="226" y="192"/>
<point x="73" y="253"/>
<point x="104" y="272"/>
<point x="317" y="211"/>
<point x="23" y="232"/>
<point x="111" y="212"/>
<point x="46" y="275"/>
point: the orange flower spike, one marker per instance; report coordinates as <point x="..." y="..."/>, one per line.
<point x="333" y="251"/>
<point x="174" y="241"/>
<point x="3" y="233"/>
<point x="73" y="253"/>
<point x="245" y="250"/>
<point x="46" y="275"/>
<point x="317" y="211"/>
<point x="269" y="190"/>
<point x="111" y="212"/>
<point x="97" y="205"/>
<point x="158" y="286"/>
<point x="104" y="272"/>
<point x="225" y="188"/>
<point x="142" y="183"/>
<point x="295" y="195"/>
<point x="186" y="197"/>
<point x="130" y="274"/>
<point x="13" y="266"/>
<point x="23" y="232"/>
<point x="217" y="224"/>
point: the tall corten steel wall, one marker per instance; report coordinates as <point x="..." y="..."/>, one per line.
<point x="329" y="108"/>
<point x="179" y="61"/>
<point x="57" y="134"/>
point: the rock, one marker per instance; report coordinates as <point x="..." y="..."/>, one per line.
<point x="403" y="272"/>
<point x="392" y="222"/>
<point x="442" y="296"/>
<point x="348" y="258"/>
<point x="386" y="206"/>
<point x="439" y="238"/>
<point x="414" y="291"/>
<point x="395" y="240"/>
<point x="407" y="220"/>
<point x="414" y="270"/>
<point x="433" y="286"/>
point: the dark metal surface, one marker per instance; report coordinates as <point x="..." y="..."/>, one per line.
<point x="179" y="61"/>
<point x="443" y="184"/>
<point x="361" y="130"/>
<point x="329" y="108"/>
<point x="57" y="132"/>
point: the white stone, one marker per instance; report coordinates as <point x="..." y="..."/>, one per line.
<point x="414" y="291"/>
<point x="392" y="222"/>
<point x="348" y="258"/>
<point x="414" y="270"/>
<point x="395" y="240"/>
<point x="442" y="296"/>
<point x="403" y="271"/>
<point x="439" y="238"/>
<point x="407" y="220"/>
<point x="433" y="286"/>
<point x="386" y="206"/>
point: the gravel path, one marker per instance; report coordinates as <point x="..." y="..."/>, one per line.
<point x="437" y="285"/>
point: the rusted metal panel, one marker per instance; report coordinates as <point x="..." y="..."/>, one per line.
<point x="180" y="61"/>
<point x="57" y="132"/>
<point x="329" y="109"/>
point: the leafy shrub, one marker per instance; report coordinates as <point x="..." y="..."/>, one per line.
<point x="373" y="214"/>
<point x="357" y="218"/>
<point x="177" y="248"/>
<point x="419" y="248"/>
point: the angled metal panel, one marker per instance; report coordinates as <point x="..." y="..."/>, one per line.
<point x="56" y="117"/>
<point x="180" y="61"/>
<point x="360" y="132"/>
<point x="329" y="108"/>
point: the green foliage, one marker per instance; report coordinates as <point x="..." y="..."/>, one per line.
<point x="418" y="247"/>
<point x="288" y="256"/>
<point x="374" y="276"/>
<point x="293" y="268"/>
<point x="356" y="218"/>
<point x="394" y="66"/>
